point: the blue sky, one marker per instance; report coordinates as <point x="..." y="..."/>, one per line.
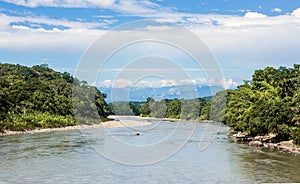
<point x="243" y="35"/>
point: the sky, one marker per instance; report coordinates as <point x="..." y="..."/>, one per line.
<point x="241" y="35"/>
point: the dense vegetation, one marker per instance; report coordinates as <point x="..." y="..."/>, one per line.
<point x="39" y="97"/>
<point x="167" y="108"/>
<point x="125" y="108"/>
<point x="269" y="103"/>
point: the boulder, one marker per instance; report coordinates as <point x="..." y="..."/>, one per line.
<point x="255" y="143"/>
<point x="267" y="138"/>
<point x="286" y="143"/>
<point x="272" y="145"/>
<point x="240" y="136"/>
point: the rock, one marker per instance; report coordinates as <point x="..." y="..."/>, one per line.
<point x="255" y="143"/>
<point x="267" y="138"/>
<point x="272" y="145"/>
<point x="286" y="146"/>
<point x="258" y="138"/>
<point x="135" y="134"/>
<point x="272" y="135"/>
<point x="241" y="136"/>
<point x="286" y="143"/>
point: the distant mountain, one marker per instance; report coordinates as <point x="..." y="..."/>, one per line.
<point x="170" y="92"/>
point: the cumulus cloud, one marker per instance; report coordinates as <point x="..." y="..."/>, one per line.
<point x="225" y="83"/>
<point x="255" y="15"/>
<point x="278" y="10"/>
<point x="125" y="83"/>
<point x="119" y="83"/>
<point x="76" y="36"/>
<point x="155" y="84"/>
<point x="296" y="13"/>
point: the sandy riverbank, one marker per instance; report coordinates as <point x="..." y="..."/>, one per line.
<point x="107" y="124"/>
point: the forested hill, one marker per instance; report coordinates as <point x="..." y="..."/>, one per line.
<point x="39" y="97"/>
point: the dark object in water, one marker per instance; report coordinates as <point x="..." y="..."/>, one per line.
<point x="135" y="134"/>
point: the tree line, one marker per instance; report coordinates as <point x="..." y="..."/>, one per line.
<point x="39" y="97"/>
<point x="168" y="108"/>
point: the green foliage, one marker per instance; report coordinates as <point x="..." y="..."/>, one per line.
<point x="270" y="103"/>
<point x="205" y="112"/>
<point x="158" y="109"/>
<point x="218" y="106"/>
<point x="295" y="134"/>
<point x="37" y="120"/>
<point x="42" y="92"/>
<point x="125" y="108"/>
<point x="175" y="108"/>
<point x="145" y="109"/>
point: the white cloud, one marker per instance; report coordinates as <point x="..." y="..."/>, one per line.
<point x="157" y="28"/>
<point x="255" y="15"/>
<point x="119" y="83"/>
<point x="155" y="84"/>
<point x="22" y="37"/>
<point x="278" y="10"/>
<point x="125" y="83"/>
<point x="296" y="13"/>
<point x="225" y="83"/>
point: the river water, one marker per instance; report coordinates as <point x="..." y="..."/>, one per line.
<point x="208" y="156"/>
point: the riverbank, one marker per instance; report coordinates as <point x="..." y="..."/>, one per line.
<point x="107" y="124"/>
<point x="114" y="123"/>
<point x="268" y="141"/>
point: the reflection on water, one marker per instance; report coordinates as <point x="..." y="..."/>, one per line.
<point x="270" y="166"/>
<point x="40" y="144"/>
<point x="67" y="157"/>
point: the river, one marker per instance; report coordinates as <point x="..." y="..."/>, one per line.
<point x="196" y="153"/>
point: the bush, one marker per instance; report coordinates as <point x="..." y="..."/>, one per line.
<point x="295" y="135"/>
<point x="32" y="121"/>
